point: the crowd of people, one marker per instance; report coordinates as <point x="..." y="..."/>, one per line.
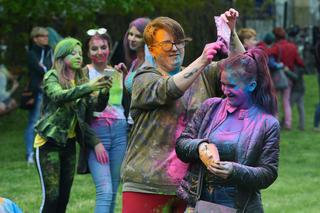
<point x="173" y="135"/>
<point x="284" y="58"/>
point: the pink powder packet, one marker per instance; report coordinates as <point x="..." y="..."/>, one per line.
<point x="223" y="33"/>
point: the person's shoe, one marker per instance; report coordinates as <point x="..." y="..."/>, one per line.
<point x="286" y="128"/>
<point x="316" y="129"/>
<point x="30" y="159"/>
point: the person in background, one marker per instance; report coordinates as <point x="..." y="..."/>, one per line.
<point x="268" y="39"/>
<point x="298" y="86"/>
<point x="316" y="124"/>
<point x="53" y="37"/>
<point x="287" y="53"/>
<point x="248" y="38"/>
<point x="164" y="98"/>
<point x="297" y="96"/>
<point x="133" y="44"/>
<point x="134" y="48"/>
<point x="7" y="102"/>
<point x="110" y="125"/>
<point x="67" y="105"/>
<point x="40" y="60"/>
<point x="245" y="132"/>
<point x="265" y="44"/>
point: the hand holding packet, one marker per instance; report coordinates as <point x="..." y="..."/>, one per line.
<point x="109" y="72"/>
<point x="215" y="153"/>
<point x="208" y="154"/>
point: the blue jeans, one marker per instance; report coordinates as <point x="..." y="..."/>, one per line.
<point x="223" y="195"/>
<point x="34" y="115"/>
<point x="317" y="112"/>
<point x="317" y="116"/>
<point x="106" y="177"/>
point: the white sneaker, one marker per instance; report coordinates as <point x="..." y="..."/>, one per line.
<point x="30" y="159"/>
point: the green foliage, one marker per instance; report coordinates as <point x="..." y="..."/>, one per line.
<point x="248" y="8"/>
<point x="294" y="191"/>
<point x="74" y="18"/>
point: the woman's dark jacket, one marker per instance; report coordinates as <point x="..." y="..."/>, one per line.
<point x="36" y="72"/>
<point x="257" y="154"/>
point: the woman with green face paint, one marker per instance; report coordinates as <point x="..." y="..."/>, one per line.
<point x="68" y="101"/>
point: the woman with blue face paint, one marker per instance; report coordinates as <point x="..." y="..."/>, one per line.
<point x="164" y="98"/>
<point x="67" y="102"/>
<point x="110" y="125"/>
<point x="245" y="131"/>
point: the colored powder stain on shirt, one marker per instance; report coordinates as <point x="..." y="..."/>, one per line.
<point x="181" y="125"/>
<point x="116" y="90"/>
<point x="112" y="112"/>
<point x="177" y="169"/>
<point x="107" y="118"/>
<point x="150" y="154"/>
<point x="114" y="109"/>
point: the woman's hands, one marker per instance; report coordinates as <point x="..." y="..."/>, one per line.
<point x="209" y="51"/>
<point x="221" y="169"/>
<point x="230" y="17"/>
<point x="121" y="67"/>
<point x="101" y="153"/>
<point x="209" y="154"/>
<point x="100" y="83"/>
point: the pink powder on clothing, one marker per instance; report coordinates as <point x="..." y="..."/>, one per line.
<point x="177" y="169"/>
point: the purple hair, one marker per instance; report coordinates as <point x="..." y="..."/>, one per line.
<point x="255" y="66"/>
<point x="140" y="24"/>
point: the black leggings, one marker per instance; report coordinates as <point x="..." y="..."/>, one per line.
<point x="56" y="168"/>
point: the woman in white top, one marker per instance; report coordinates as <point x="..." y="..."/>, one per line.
<point x="109" y="125"/>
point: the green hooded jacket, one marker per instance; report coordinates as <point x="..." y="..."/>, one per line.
<point x="61" y="105"/>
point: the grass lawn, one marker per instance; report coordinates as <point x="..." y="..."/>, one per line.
<point x="296" y="189"/>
